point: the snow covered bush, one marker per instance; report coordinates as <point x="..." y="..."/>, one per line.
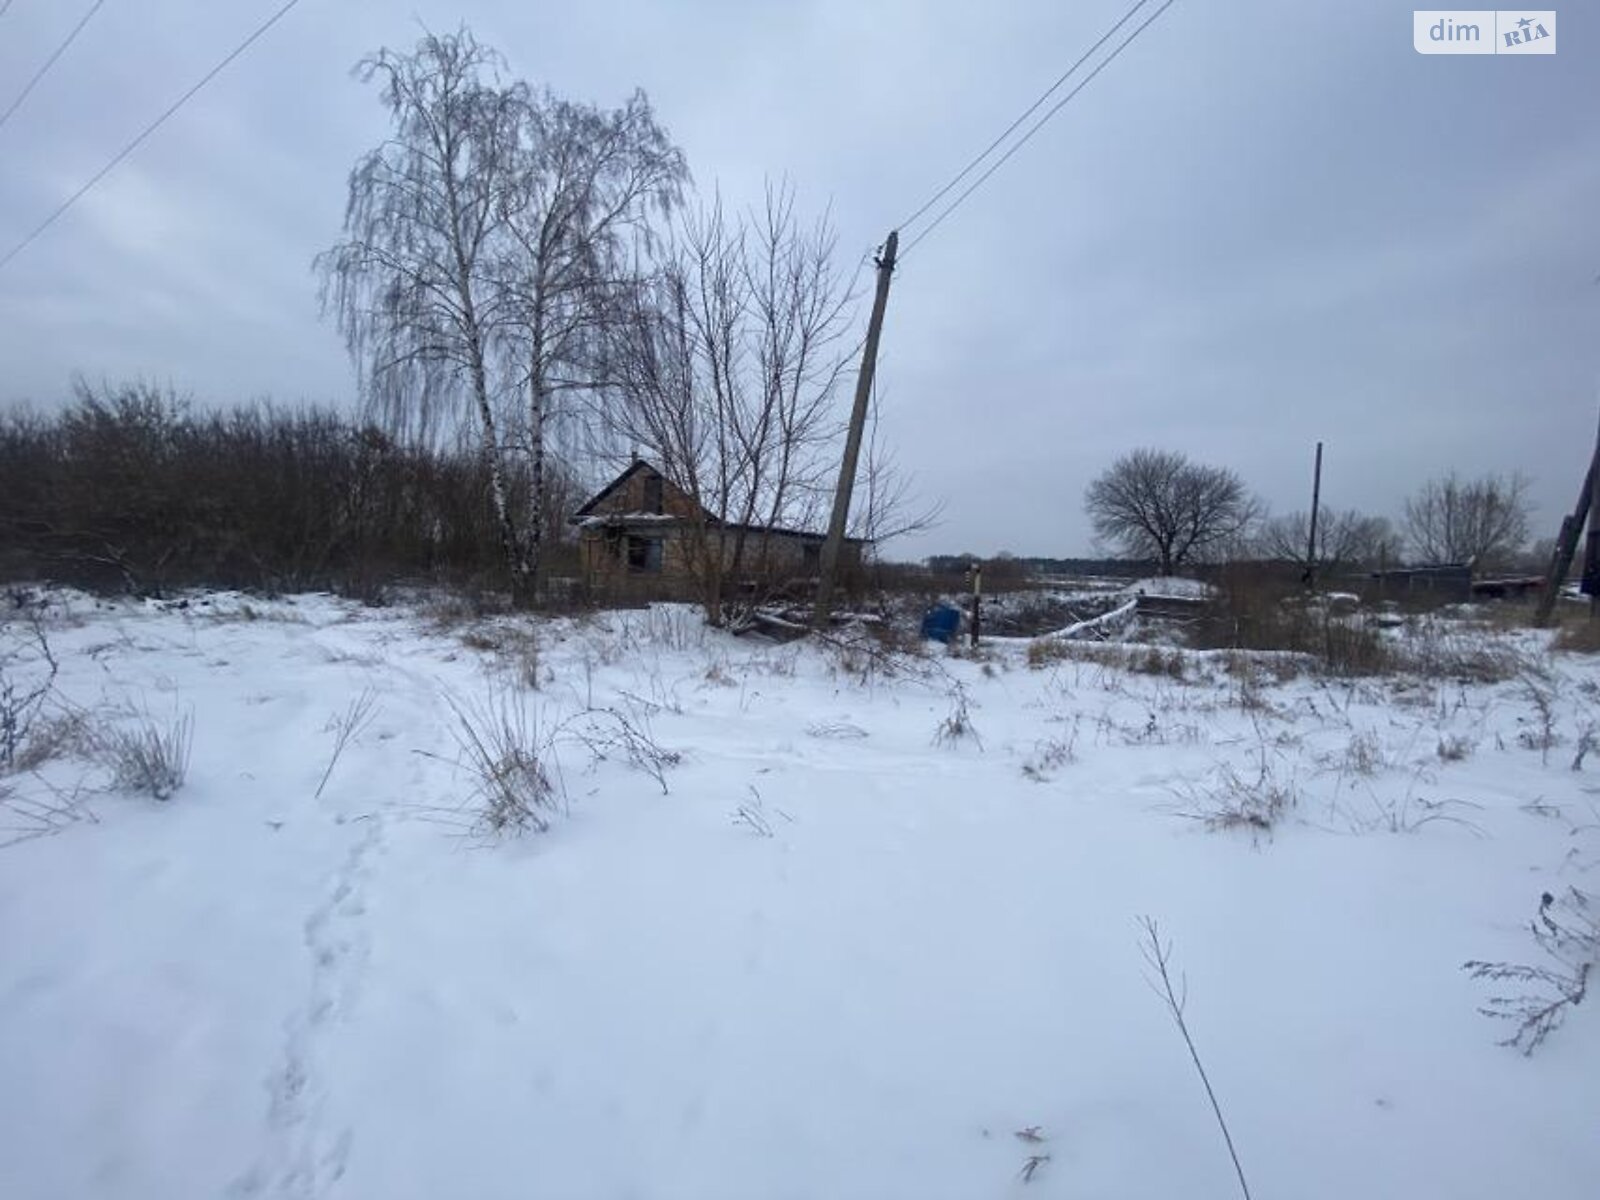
<point x="1436" y="648"/>
<point x="1567" y="930"/>
<point x="1044" y="652"/>
<point x="867" y="654"/>
<point x="623" y="735"/>
<point x="957" y="726"/>
<point x="1255" y="798"/>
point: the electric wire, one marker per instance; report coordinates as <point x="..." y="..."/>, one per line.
<point x="49" y="62"/>
<point x="905" y="225"/>
<point x="1028" y="136"/>
<point x="149" y="129"/>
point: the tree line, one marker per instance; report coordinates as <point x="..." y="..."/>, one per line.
<point x="1162" y="506"/>
<point x="130" y="488"/>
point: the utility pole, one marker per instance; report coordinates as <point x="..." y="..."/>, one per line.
<point x="1567" y="542"/>
<point x="1311" y="542"/>
<point x="829" y="565"/>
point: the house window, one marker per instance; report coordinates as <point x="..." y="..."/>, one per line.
<point x="644" y="554"/>
<point x="652" y="493"/>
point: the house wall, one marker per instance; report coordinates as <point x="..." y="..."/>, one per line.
<point x="614" y="566"/>
<point x="620" y="563"/>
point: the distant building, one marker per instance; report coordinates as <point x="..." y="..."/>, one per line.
<point x="1448" y="582"/>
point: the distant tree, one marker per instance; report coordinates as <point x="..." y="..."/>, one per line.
<point x="1345" y="538"/>
<point x="1158" y="504"/>
<point x="1481" y="522"/>
<point x="1004" y="570"/>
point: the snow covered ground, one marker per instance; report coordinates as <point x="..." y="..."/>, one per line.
<point x="879" y="923"/>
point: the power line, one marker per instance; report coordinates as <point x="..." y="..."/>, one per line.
<point x="1028" y="136"/>
<point x="1028" y="112"/>
<point x="49" y="62"/>
<point x="147" y="131"/>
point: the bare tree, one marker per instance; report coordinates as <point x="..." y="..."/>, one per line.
<point x="889" y="506"/>
<point x="1158" y="504"/>
<point x="1481" y="522"/>
<point x="726" y="375"/>
<point x="584" y="189"/>
<point x="1345" y="538"/>
<point x="415" y="284"/>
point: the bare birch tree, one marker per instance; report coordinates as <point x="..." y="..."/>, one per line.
<point x="415" y="284"/>
<point x="586" y="187"/>
<point x="485" y="243"/>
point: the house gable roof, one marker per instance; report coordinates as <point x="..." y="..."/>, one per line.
<point x="638" y="465"/>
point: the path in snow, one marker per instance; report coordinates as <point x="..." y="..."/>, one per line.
<point x="302" y="1160"/>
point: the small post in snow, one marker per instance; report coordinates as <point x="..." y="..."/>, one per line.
<point x="977" y="600"/>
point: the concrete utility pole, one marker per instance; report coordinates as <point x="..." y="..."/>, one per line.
<point x="1311" y="542"/>
<point x="1567" y="542"/>
<point x="829" y="565"/>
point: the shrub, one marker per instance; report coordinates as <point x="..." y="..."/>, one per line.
<point x="1433" y="650"/>
<point x="28" y="671"/>
<point x="1235" y="801"/>
<point x="1567" y="931"/>
<point x="1154" y="660"/>
<point x="1364" y="755"/>
<point x="50" y="737"/>
<point x="1264" y="610"/>
<point x="957" y="725"/>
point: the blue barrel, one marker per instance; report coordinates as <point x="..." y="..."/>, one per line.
<point x="939" y="624"/>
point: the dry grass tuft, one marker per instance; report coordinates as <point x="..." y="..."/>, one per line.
<point x="500" y="746"/>
<point x="150" y="757"/>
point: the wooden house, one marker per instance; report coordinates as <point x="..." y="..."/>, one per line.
<point x="643" y="538"/>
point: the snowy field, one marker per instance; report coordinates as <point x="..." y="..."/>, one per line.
<point x="806" y="922"/>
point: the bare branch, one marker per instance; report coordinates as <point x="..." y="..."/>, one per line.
<point x="1158" y="954"/>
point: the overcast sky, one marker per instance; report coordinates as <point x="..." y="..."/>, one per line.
<point x="1267" y="223"/>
